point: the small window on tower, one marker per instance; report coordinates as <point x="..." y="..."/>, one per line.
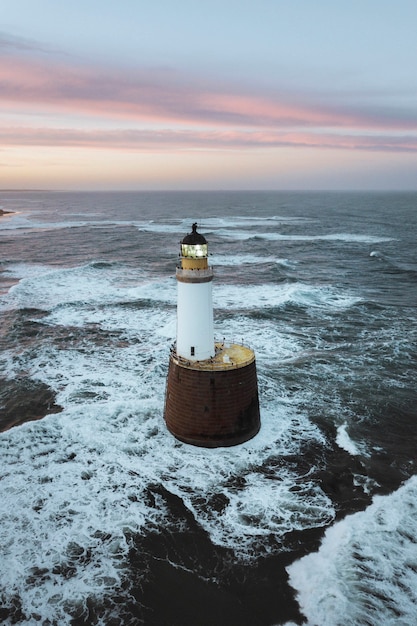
<point x="192" y="351"/>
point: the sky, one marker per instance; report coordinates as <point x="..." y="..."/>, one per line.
<point x="208" y="94"/>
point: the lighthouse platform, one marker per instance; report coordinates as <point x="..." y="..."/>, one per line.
<point x="227" y="356"/>
<point x="213" y="402"/>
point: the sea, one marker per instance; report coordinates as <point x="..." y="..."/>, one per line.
<point x="107" y="519"/>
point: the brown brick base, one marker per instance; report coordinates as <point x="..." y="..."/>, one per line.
<point x="212" y="408"/>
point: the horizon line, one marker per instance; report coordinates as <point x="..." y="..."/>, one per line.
<point x="218" y="190"/>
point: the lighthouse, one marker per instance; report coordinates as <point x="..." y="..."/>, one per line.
<point x="211" y="397"/>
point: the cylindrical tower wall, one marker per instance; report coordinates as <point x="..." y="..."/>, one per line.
<point x="195" y="333"/>
<point x="212" y="408"/>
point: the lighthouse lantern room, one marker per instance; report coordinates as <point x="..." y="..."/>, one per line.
<point x="211" y="394"/>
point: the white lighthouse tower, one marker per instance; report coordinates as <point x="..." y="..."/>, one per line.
<point x="195" y="335"/>
<point x="211" y="394"/>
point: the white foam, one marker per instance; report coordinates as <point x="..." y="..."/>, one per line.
<point x="250" y="259"/>
<point x="266" y="295"/>
<point x="27" y="270"/>
<point x="38" y="220"/>
<point x="365" y="571"/>
<point x="15" y="221"/>
<point x="86" y="469"/>
<point x="344" y="441"/>
<point x="250" y="221"/>
<point x="29" y="220"/>
<point x="46" y="288"/>
<point x="218" y="225"/>
<point x="244" y="235"/>
<point x="236" y="227"/>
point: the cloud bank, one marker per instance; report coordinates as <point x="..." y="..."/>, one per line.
<point x="167" y="109"/>
<point x="167" y="139"/>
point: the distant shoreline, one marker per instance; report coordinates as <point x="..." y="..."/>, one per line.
<point x="5" y="212"/>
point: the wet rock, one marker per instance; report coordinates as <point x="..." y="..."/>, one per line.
<point x="23" y="400"/>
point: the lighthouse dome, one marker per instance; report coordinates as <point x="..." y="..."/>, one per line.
<point x="194" y="245"/>
<point x="194" y="237"/>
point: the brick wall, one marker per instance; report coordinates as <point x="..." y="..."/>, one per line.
<point x="212" y="408"/>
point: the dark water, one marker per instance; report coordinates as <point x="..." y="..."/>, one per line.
<point x="105" y="518"/>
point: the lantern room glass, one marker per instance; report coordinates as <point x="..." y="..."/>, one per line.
<point x="194" y="251"/>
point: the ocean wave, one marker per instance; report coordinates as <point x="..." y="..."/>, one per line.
<point x="263" y="296"/>
<point x="77" y="482"/>
<point x="345" y="442"/>
<point x="365" y="571"/>
<point x="251" y="259"/>
<point x="276" y="236"/>
<point x="85" y="489"/>
<point x="48" y="288"/>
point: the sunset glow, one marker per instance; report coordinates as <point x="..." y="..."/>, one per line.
<point x="73" y="115"/>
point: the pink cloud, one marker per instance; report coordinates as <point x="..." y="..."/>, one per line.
<point x="41" y="83"/>
<point x="195" y="113"/>
<point x="167" y="139"/>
